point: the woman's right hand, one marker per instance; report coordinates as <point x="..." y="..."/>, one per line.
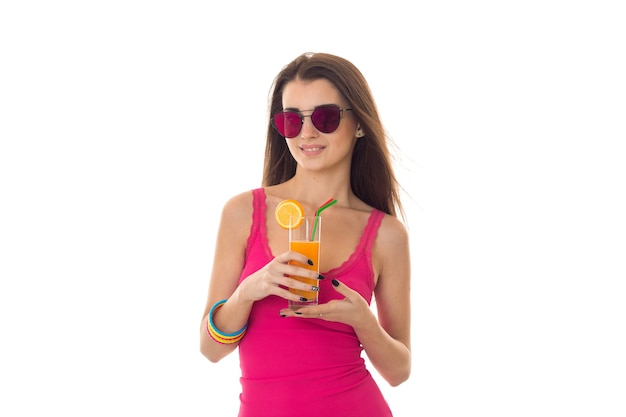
<point x="274" y="278"/>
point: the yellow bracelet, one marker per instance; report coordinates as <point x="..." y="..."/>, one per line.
<point x="219" y="336"/>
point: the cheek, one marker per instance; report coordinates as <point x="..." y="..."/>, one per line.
<point x="291" y="145"/>
<point x="348" y="128"/>
<point x="343" y="145"/>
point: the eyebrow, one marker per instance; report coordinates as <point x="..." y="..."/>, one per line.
<point x="300" y="111"/>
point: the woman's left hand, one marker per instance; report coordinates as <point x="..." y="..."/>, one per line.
<point x="352" y="310"/>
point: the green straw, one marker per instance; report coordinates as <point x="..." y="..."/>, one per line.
<point x="323" y="207"/>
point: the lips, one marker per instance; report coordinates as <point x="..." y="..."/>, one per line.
<point x="312" y="149"/>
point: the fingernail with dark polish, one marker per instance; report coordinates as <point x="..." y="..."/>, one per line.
<point x="335" y="282"/>
<point x="310" y="262"/>
<point x="315" y="288"/>
<point x="320" y="276"/>
<point x="283" y="315"/>
<point x="302" y="299"/>
<point x="298" y="313"/>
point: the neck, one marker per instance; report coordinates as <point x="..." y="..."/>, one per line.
<point x="314" y="190"/>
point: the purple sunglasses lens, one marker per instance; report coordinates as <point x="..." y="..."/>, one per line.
<point x="288" y="123"/>
<point x="326" y="119"/>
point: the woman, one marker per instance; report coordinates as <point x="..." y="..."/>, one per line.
<point x="324" y="140"/>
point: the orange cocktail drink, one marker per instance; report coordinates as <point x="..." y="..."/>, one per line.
<point x="305" y="239"/>
<point x="311" y="250"/>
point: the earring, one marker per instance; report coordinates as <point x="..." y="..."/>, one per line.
<point x="359" y="133"/>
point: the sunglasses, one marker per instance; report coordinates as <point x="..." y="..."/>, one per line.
<point x="325" y="118"/>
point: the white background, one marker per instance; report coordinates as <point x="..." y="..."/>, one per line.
<point x="125" y="125"/>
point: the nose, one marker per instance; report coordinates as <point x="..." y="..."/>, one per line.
<point x="308" y="129"/>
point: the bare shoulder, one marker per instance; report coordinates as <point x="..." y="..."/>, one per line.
<point x="391" y="249"/>
<point x="236" y="215"/>
<point x="237" y="203"/>
<point x="392" y="232"/>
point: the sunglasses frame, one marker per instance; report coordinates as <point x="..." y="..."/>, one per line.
<point x="299" y="114"/>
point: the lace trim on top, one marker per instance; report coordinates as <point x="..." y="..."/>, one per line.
<point x="365" y="241"/>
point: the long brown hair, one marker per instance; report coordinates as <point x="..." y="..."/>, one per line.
<point x="372" y="176"/>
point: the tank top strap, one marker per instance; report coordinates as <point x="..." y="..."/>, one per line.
<point x="371" y="231"/>
<point x="258" y="230"/>
<point x="258" y="208"/>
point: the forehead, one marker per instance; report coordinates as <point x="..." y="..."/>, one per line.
<point x="304" y="95"/>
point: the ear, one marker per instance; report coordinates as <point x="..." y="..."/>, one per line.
<point x="359" y="131"/>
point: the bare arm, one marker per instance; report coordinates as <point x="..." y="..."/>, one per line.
<point x="387" y="341"/>
<point x="228" y="263"/>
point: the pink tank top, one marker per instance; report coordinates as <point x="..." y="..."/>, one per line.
<point x="306" y="367"/>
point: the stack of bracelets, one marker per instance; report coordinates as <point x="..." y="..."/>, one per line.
<point x="216" y="334"/>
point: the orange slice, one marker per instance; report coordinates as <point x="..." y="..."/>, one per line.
<point x="285" y="209"/>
